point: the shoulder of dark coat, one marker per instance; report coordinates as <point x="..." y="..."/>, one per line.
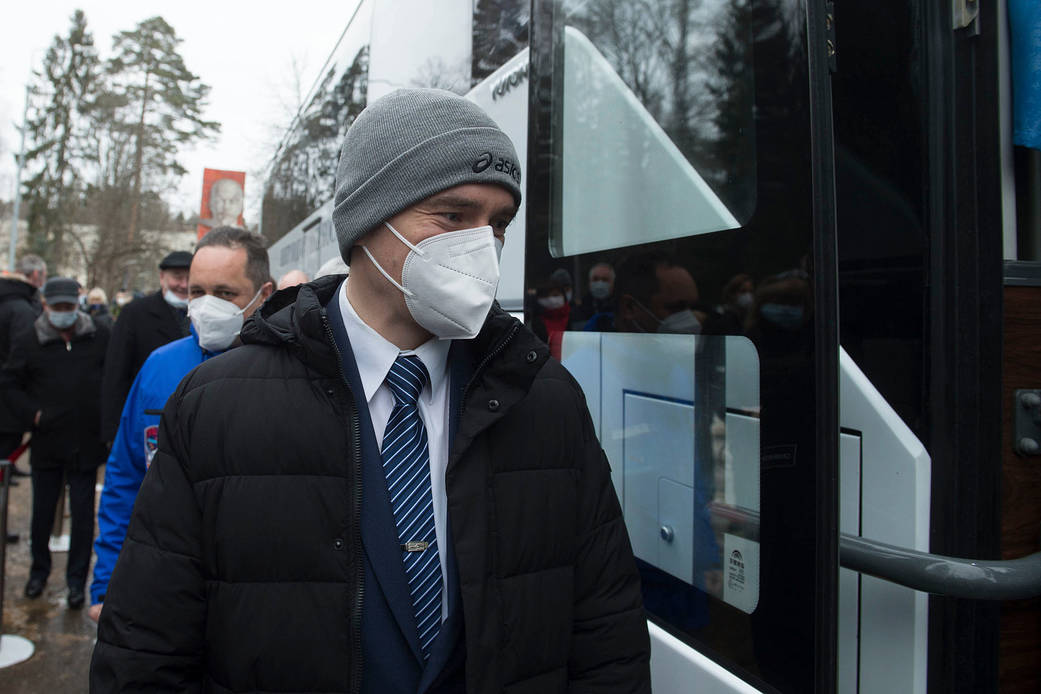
<point x="150" y="303"/>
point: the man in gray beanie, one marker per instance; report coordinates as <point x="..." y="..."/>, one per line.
<point x="425" y="507"/>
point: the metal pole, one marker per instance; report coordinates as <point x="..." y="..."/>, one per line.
<point x="18" y="185"/>
<point x="5" y="474"/>
<point x="13" y="649"/>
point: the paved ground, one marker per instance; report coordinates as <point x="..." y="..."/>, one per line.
<point x="63" y="638"/>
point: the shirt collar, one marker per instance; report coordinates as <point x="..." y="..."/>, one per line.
<point x="374" y="354"/>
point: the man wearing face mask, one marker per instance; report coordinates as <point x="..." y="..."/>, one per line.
<point x="143" y="325"/>
<point x="390" y="487"/>
<point x="596" y="312"/>
<point x="656" y="296"/>
<point x="52" y="382"/>
<point x="227" y="282"/>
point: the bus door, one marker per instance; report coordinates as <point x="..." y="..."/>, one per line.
<point x="680" y="261"/>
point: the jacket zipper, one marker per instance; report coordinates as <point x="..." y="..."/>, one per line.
<point x="484" y="362"/>
<point x="359" y="593"/>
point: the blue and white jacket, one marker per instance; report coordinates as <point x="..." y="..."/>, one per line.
<point x="134" y="446"/>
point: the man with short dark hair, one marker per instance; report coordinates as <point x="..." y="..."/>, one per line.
<point x="52" y="382"/>
<point x="221" y="282"/>
<point x="143" y="325"/>
<point x="391" y="486"/>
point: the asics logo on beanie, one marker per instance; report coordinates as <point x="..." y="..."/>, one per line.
<point x="502" y="164"/>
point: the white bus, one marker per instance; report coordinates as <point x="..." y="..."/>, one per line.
<point x="808" y="215"/>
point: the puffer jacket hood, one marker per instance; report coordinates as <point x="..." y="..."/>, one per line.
<point x="294" y="318"/>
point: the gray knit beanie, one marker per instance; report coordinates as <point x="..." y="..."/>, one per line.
<point x="409" y="145"/>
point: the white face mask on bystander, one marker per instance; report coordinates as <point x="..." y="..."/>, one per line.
<point x="174" y="300"/>
<point x="449" y="280"/>
<point x="217" y="322"/>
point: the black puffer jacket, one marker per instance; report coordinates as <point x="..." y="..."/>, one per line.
<point x="233" y="576"/>
<point x="19" y="307"/>
<point x="61" y="380"/>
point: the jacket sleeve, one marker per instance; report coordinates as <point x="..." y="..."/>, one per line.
<point x="14" y="381"/>
<point x="124" y="472"/>
<point x="18" y="318"/>
<point x="610" y="649"/>
<point x="116" y="377"/>
<point x="152" y="629"/>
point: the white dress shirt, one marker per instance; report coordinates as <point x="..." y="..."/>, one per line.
<point x="374" y="356"/>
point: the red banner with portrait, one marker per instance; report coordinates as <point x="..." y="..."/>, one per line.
<point x="223" y="193"/>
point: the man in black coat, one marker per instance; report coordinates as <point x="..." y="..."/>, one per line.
<point x="19" y="307"/>
<point x="143" y="325"/>
<point x="51" y="381"/>
<point x="391" y="486"/>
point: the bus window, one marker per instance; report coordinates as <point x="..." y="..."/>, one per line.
<point x="651" y="113"/>
<point x="670" y="264"/>
<point x="301" y="174"/>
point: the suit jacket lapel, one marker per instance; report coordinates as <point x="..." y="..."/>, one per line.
<point x="378" y="530"/>
<point x="460" y="369"/>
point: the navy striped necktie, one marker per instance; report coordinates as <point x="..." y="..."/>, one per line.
<point x="406" y="462"/>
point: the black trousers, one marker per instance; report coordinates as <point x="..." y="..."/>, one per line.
<point x="46" y="490"/>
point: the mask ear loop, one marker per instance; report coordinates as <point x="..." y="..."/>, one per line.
<point x="243" y="309"/>
<point x="646" y="310"/>
<point x="383" y="272"/>
<point x="403" y="240"/>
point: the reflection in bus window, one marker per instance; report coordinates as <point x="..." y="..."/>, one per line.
<point x="656" y="108"/>
<point x="301" y="174"/>
<point x="670" y="152"/>
<point x="677" y="416"/>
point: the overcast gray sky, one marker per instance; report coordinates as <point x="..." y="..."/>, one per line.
<point x="244" y="51"/>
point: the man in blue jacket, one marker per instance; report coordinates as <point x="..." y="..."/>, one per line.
<point x="227" y="281"/>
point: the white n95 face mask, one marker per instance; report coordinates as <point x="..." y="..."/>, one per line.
<point x="449" y="280"/>
<point x="217" y="322"/>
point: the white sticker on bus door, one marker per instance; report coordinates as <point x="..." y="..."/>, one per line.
<point x="740" y="572"/>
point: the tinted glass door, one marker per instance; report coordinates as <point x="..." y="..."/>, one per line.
<point x="680" y="262"/>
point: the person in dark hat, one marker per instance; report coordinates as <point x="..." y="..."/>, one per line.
<point x="52" y="383"/>
<point x="143" y="325"/>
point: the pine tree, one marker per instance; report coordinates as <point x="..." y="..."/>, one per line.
<point x="730" y="88"/>
<point x="57" y="126"/>
<point x="156" y="98"/>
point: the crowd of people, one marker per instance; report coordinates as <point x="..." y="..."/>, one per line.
<point x="305" y="487"/>
<point x="651" y="293"/>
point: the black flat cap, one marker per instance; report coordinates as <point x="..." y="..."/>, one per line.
<point x="176" y="260"/>
<point x="61" y="290"/>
